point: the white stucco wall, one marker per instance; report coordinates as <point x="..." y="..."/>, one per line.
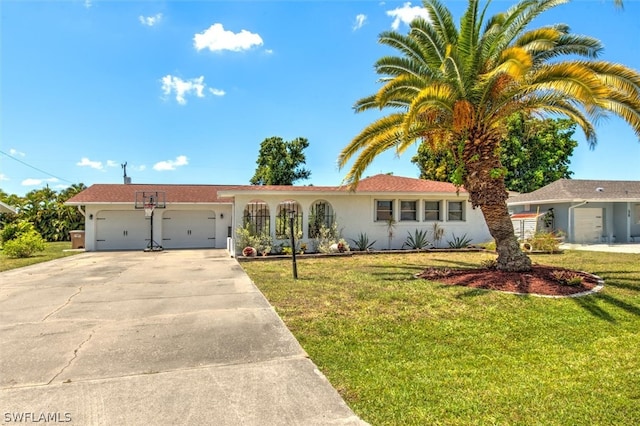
<point x="355" y="213"/>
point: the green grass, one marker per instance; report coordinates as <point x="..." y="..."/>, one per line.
<point x="53" y="251"/>
<point x="403" y="351"/>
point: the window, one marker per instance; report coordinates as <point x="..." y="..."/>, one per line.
<point x="283" y="225"/>
<point x="321" y="214"/>
<point x="256" y="217"/>
<point x="637" y="213"/>
<point x="384" y="210"/>
<point x="408" y="210"/>
<point x="432" y="210"/>
<point x="455" y="211"/>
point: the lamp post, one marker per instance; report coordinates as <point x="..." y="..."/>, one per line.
<point x="292" y="216"/>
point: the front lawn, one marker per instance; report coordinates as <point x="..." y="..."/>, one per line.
<point x="407" y="351"/>
<point x="53" y="251"/>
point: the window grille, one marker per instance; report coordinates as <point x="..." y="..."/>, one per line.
<point x="282" y="220"/>
<point x="256" y="216"/>
<point x="321" y="214"/>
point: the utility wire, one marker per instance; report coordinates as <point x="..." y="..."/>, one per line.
<point x="35" y="168"/>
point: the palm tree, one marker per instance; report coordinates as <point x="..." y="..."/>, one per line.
<point x="453" y="88"/>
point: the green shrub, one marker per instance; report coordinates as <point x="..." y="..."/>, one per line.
<point x="24" y="245"/>
<point x="362" y="243"/>
<point x="417" y="241"/>
<point x="459" y="242"/>
<point x="11" y="231"/>
<point x="544" y="241"/>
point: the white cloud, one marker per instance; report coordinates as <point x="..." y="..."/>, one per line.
<point x="180" y="87"/>
<point x="16" y="153"/>
<point x="269" y="51"/>
<point x="3" y="177"/>
<point x="360" y="19"/>
<point x="180" y="160"/>
<point x="85" y="162"/>
<point x="406" y="14"/>
<point x="150" y="21"/>
<point x="36" y="182"/>
<point x="217" y="92"/>
<point x="87" y="4"/>
<point x="111" y="163"/>
<point x="215" y="38"/>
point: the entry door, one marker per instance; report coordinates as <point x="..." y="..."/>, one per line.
<point x="588" y="225"/>
<point x="189" y="229"/>
<point x="122" y="230"/>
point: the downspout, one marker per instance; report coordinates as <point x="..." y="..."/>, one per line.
<point x="82" y="212"/>
<point x="569" y="222"/>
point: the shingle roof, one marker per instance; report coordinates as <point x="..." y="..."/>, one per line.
<point x="379" y="184"/>
<point x="568" y="190"/>
<point x="125" y="193"/>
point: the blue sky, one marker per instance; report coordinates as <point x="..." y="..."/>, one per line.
<point x="184" y="92"/>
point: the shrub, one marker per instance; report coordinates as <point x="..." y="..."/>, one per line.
<point x="459" y="242"/>
<point x="567" y="277"/>
<point x="246" y="238"/>
<point x="362" y="243"/>
<point x="11" y="231"/>
<point x="489" y="264"/>
<point x="417" y="241"/>
<point x="327" y="236"/>
<point x="24" y="245"/>
<point x="544" y="241"/>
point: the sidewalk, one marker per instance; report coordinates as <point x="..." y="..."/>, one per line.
<point x="614" y="248"/>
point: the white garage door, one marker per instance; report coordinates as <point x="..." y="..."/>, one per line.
<point x="588" y="225"/>
<point x="189" y="229"/>
<point x="122" y="230"/>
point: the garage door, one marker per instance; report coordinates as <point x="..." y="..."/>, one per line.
<point x="189" y="229"/>
<point x="122" y="230"/>
<point x="588" y="225"/>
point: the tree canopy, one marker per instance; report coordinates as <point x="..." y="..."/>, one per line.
<point x="534" y="153"/>
<point x="454" y="87"/>
<point x="279" y="162"/>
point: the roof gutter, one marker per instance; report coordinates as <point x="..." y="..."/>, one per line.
<point x="569" y="223"/>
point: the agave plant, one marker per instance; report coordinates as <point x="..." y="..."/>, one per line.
<point x="459" y="242"/>
<point x="362" y="243"/>
<point x="417" y="241"/>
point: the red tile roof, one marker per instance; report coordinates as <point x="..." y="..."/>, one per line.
<point x="125" y="193"/>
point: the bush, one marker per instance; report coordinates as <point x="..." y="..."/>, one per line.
<point x="327" y="236"/>
<point x="459" y="242"/>
<point x="362" y="243"/>
<point x="417" y="241"/>
<point x="11" y="231"/>
<point x="24" y="245"/>
<point x="544" y="241"/>
<point x="245" y="238"/>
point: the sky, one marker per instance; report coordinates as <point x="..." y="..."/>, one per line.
<point x="184" y="92"/>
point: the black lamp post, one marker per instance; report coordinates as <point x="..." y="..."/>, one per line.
<point x="292" y="216"/>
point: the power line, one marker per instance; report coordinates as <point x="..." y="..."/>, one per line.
<point x="35" y="168"/>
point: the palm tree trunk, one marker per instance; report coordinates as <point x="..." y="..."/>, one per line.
<point x="487" y="190"/>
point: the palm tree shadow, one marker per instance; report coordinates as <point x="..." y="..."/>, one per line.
<point x="591" y="304"/>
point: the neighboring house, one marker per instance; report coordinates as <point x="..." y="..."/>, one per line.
<point x="588" y="211"/>
<point x="5" y="208"/>
<point x="204" y="216"/>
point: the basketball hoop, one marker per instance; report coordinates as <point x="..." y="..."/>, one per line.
<point x="148" y="209"/>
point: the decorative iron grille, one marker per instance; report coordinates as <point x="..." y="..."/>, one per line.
<point x="321" y="214"/>
<point x="256" y="216"/>
<point x="282" y="220"/>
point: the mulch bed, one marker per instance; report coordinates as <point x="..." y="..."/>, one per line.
<point x="541" y="280"/>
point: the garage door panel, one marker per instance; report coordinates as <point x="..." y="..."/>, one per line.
<point x="188" y="229"/>
<point x="121" y="230"/>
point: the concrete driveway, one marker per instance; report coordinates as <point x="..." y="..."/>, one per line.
<point x="162" y="338"/>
